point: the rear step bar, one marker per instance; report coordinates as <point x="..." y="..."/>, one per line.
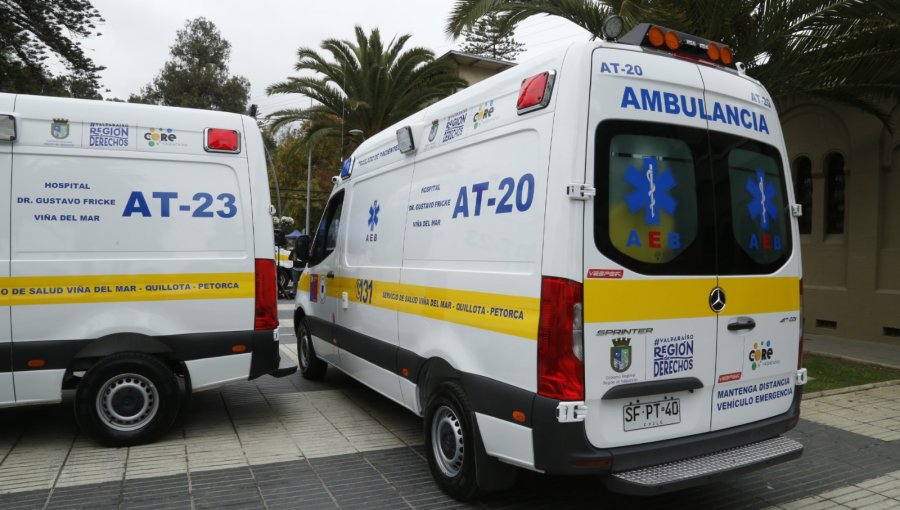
<point x="686" y="473"/>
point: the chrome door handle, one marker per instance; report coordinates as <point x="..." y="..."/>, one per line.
<point x="741" y="324"/>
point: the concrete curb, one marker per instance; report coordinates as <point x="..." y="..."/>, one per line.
<point x="850" y="389"/>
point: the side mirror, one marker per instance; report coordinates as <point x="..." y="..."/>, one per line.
<point x="279" y="237"/>
<point x="301" y="248"/>
<point x="7" y="128"/>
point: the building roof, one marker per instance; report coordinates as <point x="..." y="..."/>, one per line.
<point x="477" y="61"/>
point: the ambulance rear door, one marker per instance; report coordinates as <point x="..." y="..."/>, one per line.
<point x="758" y="254"/>
<point x="649" y="252"/>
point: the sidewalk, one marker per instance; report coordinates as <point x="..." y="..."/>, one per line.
<point x="877" y="353"/>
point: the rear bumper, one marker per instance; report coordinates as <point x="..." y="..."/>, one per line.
<point x="563" y="448"/>
<point x="267" y="359"/>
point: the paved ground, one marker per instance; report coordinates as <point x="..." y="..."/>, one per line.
<point x="289" y="443"/>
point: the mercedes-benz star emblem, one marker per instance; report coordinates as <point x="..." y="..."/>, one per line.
<point x="717" y="299"/>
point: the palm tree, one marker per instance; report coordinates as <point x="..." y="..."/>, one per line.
<point x="846" y="51"/>
<point x="366" y="86"/>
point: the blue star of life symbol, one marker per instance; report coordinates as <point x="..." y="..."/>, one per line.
<point x="651" y="190"/>
<point x="373" y="215"/>
<point x="763" y="192"/>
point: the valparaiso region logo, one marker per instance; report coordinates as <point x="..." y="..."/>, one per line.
<point x="620" y="354"/>
<point x="651" y="190"/>
<point x="374" y="209"/>
<point x="761" y="354"/>
<point x="761" y="205"/>
<point x="59" y="128"/>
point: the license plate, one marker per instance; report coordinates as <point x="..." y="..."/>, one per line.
<point x="651" y="414"/>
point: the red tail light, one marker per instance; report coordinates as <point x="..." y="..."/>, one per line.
<point x="800" y="320"/>
<point x="561" y="340"/>
<point x="266" y="300"/>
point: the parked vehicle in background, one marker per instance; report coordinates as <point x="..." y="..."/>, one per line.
<point x="137" y="259"/>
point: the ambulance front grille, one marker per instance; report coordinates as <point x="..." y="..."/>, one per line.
<point x="681" y="473"/>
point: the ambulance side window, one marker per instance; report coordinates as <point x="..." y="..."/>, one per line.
<point x="329" y="228"/>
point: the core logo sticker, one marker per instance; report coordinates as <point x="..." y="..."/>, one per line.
<point x="652" y="196"/>
<point x="620" y="354"/>
<point x="762" y="354"/>
<point x="374" y="209"/>
<point x="483" y="114"/>
<point x="162" y="137"/>
<point x="59" y="128"/>
<point x="761" y="207"/>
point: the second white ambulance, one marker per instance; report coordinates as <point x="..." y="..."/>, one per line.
<point x="587" y="264"/>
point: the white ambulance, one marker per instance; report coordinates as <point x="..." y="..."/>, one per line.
<point x="136" y="258"/>
<point x="587" y="264"/>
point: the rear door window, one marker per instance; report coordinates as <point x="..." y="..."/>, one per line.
<point x="754" y="211"/>
<point x="653" y="186"/>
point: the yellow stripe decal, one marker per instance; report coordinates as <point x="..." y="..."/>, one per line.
<point x="747" y="296"/>
<point x="59" y="290"/>
<point x="641" y="300"/>
<point x="501" y="313"/>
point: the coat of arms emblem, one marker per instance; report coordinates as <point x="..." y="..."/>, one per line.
<point x="620" y="354"/>
<point x="59" y="128"/>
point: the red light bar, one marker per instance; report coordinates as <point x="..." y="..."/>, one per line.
<point x="222" y="140"/>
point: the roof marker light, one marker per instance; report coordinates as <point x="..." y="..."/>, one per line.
<point x="673" y="42"/>
<point x="713" y="52"/>
<point x="655" y="36"/>
<point x="222" y="140"/>
<point x="726" y="56"/>
<point x="535" y="92"/>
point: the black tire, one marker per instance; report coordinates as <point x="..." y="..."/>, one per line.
<point x="127" y="399"/>
<point x="450" y="442"/>
<point x="311" y="367"/>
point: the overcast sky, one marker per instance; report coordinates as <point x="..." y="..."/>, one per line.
<point x="265" y="35"/>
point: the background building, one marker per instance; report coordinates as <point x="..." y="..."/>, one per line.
<point x="846" y="170"/>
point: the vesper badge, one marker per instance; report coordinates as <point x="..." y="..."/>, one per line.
<point x="620" y="354"/>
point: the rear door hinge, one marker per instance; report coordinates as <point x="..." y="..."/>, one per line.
<point x="580" y="191"/>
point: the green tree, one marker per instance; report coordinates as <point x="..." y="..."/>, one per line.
<point x="196" y="75"/>
<point x="846" y="51"/>
<point x="33" y="31"/>
<point x="366" y="86"/>
<point x="290" y="160"/>
<point x="490" y="37"/>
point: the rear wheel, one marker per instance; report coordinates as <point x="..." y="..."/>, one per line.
<point x="450" y="442"/>
<point x="127" y="399"/>
<point x="311" y="367"/>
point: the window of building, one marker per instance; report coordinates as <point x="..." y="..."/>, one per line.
<point x="803" y="192"/>
<point x="834" y="193"/>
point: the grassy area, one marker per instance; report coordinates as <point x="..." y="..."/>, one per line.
<point x="830" y="373"/>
